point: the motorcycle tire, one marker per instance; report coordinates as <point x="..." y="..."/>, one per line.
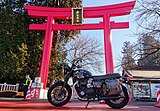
<point x="68" y="89"/>
<point x="123" y="103"/>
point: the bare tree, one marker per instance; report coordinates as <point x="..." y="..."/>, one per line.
<point x="147" y="16"/>
<point x="148" y="51"/>
<point x="89" y="50"/>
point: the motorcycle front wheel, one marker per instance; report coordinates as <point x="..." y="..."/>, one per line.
<point x="59" y="95"/>
<point x="119" y="103"/>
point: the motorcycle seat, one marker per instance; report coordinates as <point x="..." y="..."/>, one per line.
<point x="108" y="76"/>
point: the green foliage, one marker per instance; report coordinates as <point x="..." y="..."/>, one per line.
<point x="21" y="49"/>
<point x="13" y="48"/>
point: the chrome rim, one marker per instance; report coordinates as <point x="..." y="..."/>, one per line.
<point x="59" y="94"/>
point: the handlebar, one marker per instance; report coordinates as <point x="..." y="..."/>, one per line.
<point x="73" y="66"/>
<point x="75" y="62"/>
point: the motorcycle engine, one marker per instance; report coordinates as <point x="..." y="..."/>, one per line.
<point x="86" y="87"/>
<point x="112" y="87"/>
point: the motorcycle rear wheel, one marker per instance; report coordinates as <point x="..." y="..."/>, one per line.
<point x="117" y="105"/>
<point x="58" y="96"/>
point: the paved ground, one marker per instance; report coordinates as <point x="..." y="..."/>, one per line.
<point x="39" y="105"/>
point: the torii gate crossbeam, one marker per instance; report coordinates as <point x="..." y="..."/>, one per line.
<point x="51" y="14"/>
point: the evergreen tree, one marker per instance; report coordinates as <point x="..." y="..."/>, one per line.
<point x="128" y="55"/>
<point x="21" y="49"/>
<point x="13" y="40"/>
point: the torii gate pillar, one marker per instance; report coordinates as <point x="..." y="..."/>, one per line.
<point x="108" y="45"/>
<point x="52" y="14"/>
<point x="46" y="51"/>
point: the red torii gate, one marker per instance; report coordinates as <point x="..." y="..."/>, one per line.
<point x="104" y="12"/>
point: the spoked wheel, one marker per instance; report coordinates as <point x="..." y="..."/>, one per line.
<point x="59" y="95"/>
<point x="119" y="103"/>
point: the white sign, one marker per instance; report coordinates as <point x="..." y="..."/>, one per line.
<point x="154" y="88"/>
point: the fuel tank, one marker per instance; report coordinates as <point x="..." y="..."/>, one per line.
<point x="81" y="73"/>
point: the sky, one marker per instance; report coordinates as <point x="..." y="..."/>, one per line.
<point x="119" y="36"/>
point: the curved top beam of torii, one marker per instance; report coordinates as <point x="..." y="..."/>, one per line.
<point x="89" y="12"/>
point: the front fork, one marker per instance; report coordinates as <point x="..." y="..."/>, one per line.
<point x="65" y="81"/>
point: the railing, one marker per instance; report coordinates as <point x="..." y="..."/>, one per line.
<point x="8" y="87"/>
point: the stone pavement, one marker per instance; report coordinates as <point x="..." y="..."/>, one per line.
<point x="18" y="104"/>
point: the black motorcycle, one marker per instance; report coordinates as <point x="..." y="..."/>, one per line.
<point x="107" y="87"/>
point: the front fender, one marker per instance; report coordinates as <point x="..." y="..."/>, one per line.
<point x="63" y="83"/>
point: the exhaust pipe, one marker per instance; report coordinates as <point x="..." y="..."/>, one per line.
<point x="110" y="98"/>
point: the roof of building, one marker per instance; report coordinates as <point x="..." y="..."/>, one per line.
<point x="144" y="72"/>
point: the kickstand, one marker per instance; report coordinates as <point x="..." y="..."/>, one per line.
<point x="87" y="103"/>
